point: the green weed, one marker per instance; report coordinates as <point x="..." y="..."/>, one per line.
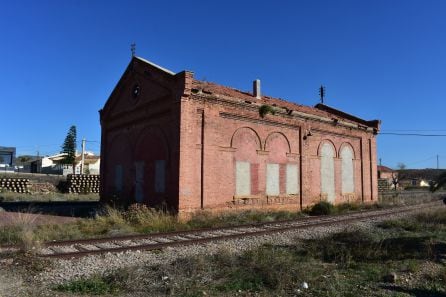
<point x="96" y="285"/>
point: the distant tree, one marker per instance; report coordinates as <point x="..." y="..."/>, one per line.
<point x="24" y="159"/>
<point x="395" y="181"/>
<point x="69" y="148"/>
<point x="438" y="183"/>
<point x="401" y="166"/>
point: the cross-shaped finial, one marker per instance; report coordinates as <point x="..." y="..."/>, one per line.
<point x="133" y="49"/>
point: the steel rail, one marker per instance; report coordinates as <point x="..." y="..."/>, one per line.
<point x="199" y="236"/>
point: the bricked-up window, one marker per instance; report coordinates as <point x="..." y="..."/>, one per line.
<point x="348" y="181"/>
<point x="292" y="179"/>
<point x="242" y="178"/>
<point x="118" y="178"/>
<point x="272" y="180"/>
<point x="327" y="172"/>
<point x="254" y="179"/>
<point x="139" y="181"/>
<point x="160" y="176"/>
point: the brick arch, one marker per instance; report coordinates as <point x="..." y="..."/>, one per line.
<point x="155" y="138"/>
<point x="245" y="130"/>
<point x="151" y="156"/>
<point x="328" y="141"/>
<point x="273" y="135"/>
<point x="281" y="176"/>
<point x="118" y="169"/>
<point x="246" y="142"/>
<point x="278" y="146"/>
<point x="349" y="145"/>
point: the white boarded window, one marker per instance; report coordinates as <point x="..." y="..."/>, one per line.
<point x="118" y="178"/>
<point x="292" y="182"/>
<point x="327" y="172"/>
<point x="348" y="181"/>
<point x="160" y="176"/>
<point x="242" y="178"/>
<point x="272" y="180"/>
<point x="139" y="181"/>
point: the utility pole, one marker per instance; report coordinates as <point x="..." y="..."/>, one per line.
<point x="380" y="162"/>
<point x="83" y="156"/>
<point x="39" y="162"/>
<point x="438" y="162"/>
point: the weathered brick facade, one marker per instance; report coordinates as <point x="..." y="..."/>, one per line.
<point x="170" y="139"/>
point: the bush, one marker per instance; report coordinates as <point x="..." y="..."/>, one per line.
<point x="145" y="219"/>
<point x="95" y="285"/>
<point x="321" y="208"/>
<point x="346" y="207"/>
<point x="265" y="109"/>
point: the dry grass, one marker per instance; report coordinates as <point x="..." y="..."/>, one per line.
<point x="136" y="219"/>
<point x="47" y="197"/>
<point x="25" y="224"/>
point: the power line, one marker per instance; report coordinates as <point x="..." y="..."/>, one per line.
<point x="413" y="130"/>
<point x="412" y="134"/>
<point x="422" y="161"/>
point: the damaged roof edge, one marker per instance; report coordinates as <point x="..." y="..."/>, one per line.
<point x="373" y="123"/>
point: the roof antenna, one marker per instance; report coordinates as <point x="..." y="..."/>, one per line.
<point x="133" y="49"/>
<point x="322" y="93"/>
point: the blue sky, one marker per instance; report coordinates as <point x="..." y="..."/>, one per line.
<point x="59" y="62"/>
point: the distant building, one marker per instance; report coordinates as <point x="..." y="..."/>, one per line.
<point x="7" y="158"/>
<point x="24" y="163"/>
<point x="53" y="164"/>
<point x="386" y="178"/>
<point x="418" y="177"/>
<point x="171" y="140"/>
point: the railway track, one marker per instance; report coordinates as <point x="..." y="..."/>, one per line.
<point x="85" y="247"/>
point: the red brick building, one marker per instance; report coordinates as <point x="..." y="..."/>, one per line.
<point x="171" y="139"/>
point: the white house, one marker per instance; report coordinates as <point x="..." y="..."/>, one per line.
<point x="53" y="165"/>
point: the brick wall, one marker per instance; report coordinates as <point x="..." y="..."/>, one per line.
<point x="235" y="132"/>
<point x="140" y="138"/>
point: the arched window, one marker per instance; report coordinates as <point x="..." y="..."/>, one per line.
<point x="327" y="153"/>
<point x="348" y="180"/>
<point x="246" y="142"/>
<point x="278" y="181"/>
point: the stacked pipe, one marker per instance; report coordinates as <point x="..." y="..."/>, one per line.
<point x="16" y="185"/>
<point x="82" y="183"/>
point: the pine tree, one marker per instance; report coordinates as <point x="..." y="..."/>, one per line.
<point x="69" y="148"/>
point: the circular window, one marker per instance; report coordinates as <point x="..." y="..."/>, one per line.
<point x="136" y="91"/>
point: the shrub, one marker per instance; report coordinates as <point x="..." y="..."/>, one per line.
<point x="265" y="109"/>
<point x="95" y="285"/>
<point x="321" y="208"/>
<point x="346" y="207"/>
<point x="147" y="219"/>
<point x="266" y="267"/>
